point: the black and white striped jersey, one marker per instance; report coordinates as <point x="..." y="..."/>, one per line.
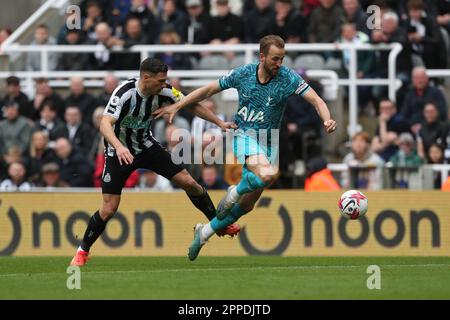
<point x="133" y="113"/>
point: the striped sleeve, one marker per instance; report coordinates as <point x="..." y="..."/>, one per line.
<point x="118" y="97"/>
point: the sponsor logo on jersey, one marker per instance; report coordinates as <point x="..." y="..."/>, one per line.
<point x="251" y="116"/>
<point x="134" y="122"/>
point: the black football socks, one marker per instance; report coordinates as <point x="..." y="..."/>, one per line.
<point x="94" y="229"/>
<point x="204" y="204"/>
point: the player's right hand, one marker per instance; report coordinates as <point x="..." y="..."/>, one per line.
<point x="330" y="125"/>
<point x="124" y="155"/>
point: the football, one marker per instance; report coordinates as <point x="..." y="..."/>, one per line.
<point x="353" y="204"/>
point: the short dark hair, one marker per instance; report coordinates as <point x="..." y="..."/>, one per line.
<point x="12" y="80"/>
<point x="267" y="41"/>
<point x="152" y="65"/>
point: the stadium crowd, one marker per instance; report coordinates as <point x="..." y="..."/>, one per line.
<point x="53" y="141"/>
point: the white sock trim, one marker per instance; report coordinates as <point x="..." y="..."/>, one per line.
<point x="207" y="232"/>
<point x="234" y="195"/>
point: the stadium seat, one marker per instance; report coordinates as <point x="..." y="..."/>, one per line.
<point x="237" y="61"/>
<point x="288" y="61"/>
<point x="309" y="61"/>
<point x="213" y="62"/>
<point x="333" y="64"/>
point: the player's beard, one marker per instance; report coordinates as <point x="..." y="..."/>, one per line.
<point x="270" y="71"/>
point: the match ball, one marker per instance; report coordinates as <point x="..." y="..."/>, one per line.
<point x="353" y="204"/>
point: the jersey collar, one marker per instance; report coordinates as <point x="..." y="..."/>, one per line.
<point x="257" y="78"/>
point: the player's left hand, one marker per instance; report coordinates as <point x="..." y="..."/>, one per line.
<point x="330" y="125"/>
<point x="226" y="126"/>
<point x="171" y="110"/>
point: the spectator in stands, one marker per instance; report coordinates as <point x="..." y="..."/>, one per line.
<point x="237" y="7"/>
<point x="111" y="83"/>
<point x="211" y="179"/>
<point x="420" y="94"/>
<point x="132" y="36"/>
<point x="13" y="93"/>
<point x="365" y="60"/>
<point x="391" y="32"/>
<point x="17" y="178"/>
<point x="260" y="21"/>
<point x="39" y="154"/>
<point x="43" y="94"/>
<point x="82" y="99"/>
<point x="199" y="126"/>
<point x="73" y="60"/>
<point x="199" y="22"/>
<point x="324" y="22"/>
<point x="365" y="167"/>
<point x="4" y="34"/>
<point x="425" y="37"/>
<point x="290" y="24"/>
<point x="79" y="133"/>
<point x="98" y="146"/>
<point x="443" y="14"/>
<point x="74" y="167"/>
<point x="226" y="27"/>
<point x="432" y="129"/>
<point x="354" y="14"/>
<point x="160" y="127"/>
<point x="41" y="37"/>
<point x="435" y="154"/>
<point x="14" y="129"/>
<point x="175" y="60"/>
<point x="407" y="155"/>
<point x="173" y="16"/>
<point x="141" y="11"/>
<point x="390" y="125"/>
<point x="14" y="154"/>
<point x="50" y="123"/>
<point x="232" y="171"/>
<point x="319" y="177"/>
<point x="51" y="177"/>
<point x="151" y="181"/>
<point x="105" y="59"/>
<point x="94" y="16"/>
<point x="308" y="7"/>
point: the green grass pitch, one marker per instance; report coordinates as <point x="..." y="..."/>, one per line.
<point x="274" y="278"/>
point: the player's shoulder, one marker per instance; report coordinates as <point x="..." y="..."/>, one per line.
<point x="249" y="68"/>
<point x="171" y="92"/>
<point x="124" y="87"/>
<point x="286" y="72"/>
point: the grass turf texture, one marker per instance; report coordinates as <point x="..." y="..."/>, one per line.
<point x="226" y="278"/>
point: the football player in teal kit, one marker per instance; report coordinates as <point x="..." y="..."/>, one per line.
<point x="263" y="90"/>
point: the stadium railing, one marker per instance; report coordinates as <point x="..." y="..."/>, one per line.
<point x="420" y="177"/>
<point x="248" y="49"/>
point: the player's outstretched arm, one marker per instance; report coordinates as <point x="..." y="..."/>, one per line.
<point x="321" y="107"/>
<point x="193" y="98"/>
<point x="106" y="129"/>
<point x="208" y="115"/>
